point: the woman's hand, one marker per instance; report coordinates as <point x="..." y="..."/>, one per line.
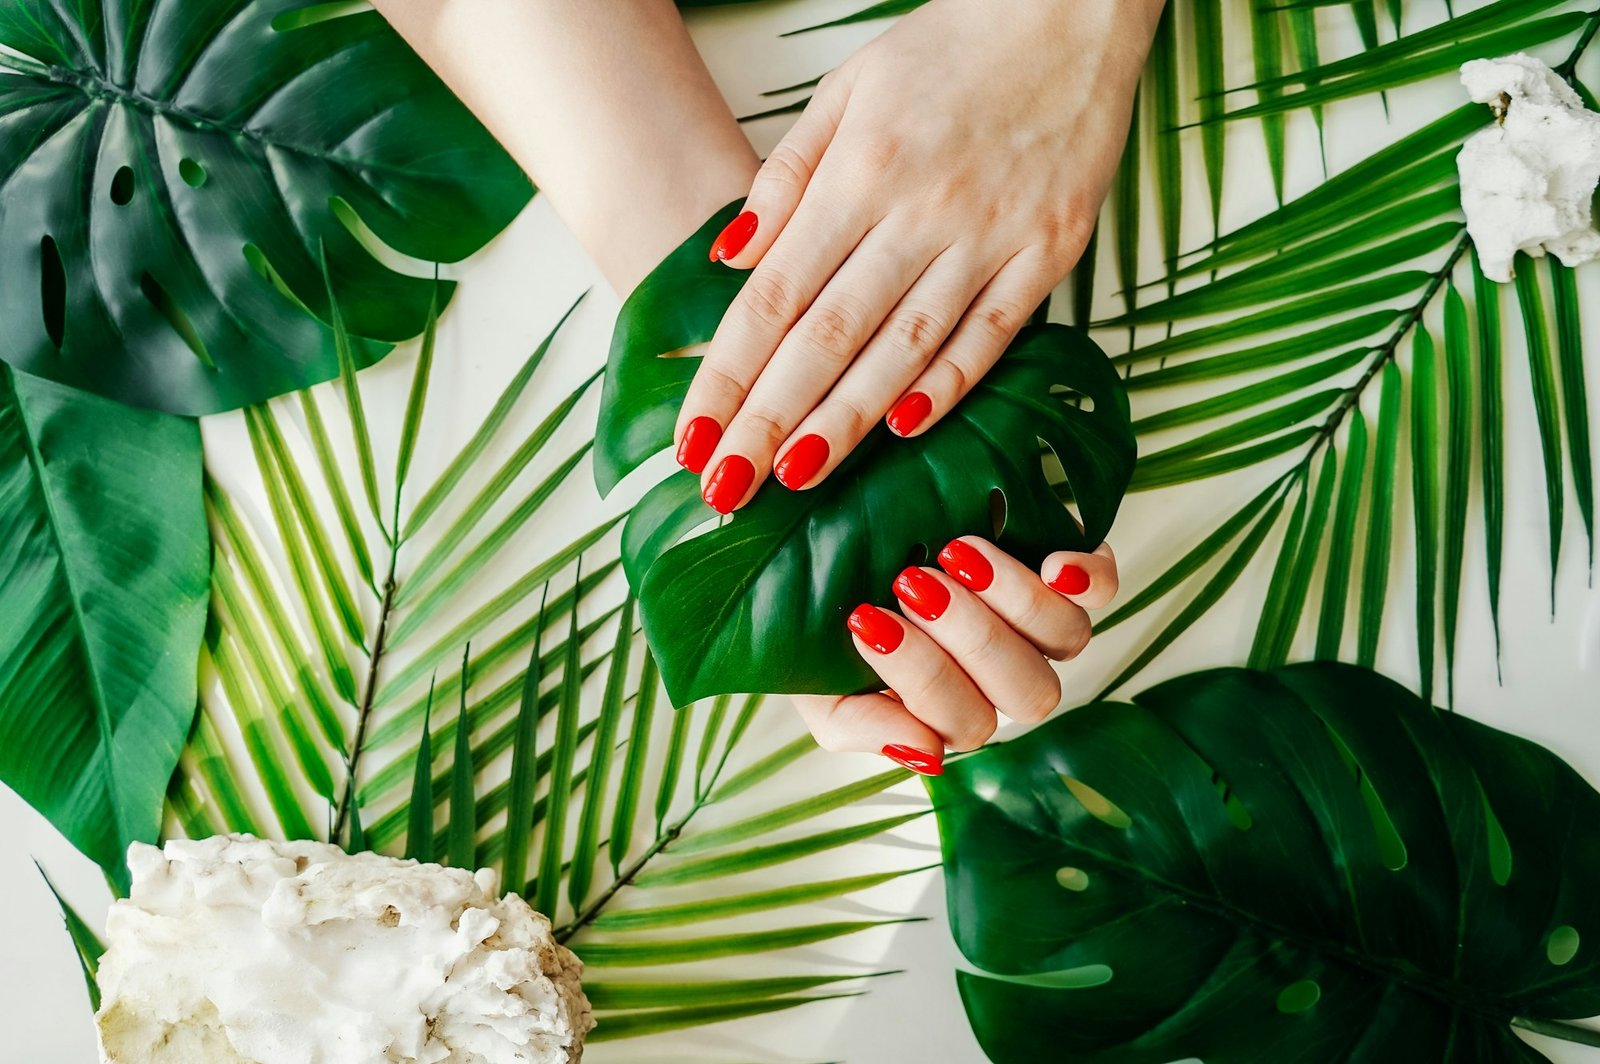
<point x="937" y="187"/>
<point x="973" y="638"/>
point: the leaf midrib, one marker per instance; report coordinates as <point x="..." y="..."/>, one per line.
<point x="53" y="520"/>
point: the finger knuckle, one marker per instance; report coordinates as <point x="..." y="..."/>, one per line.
<point x="916" y="332"/>
<point x="785" y="172"/>
<point x="773" y="298"/>
<point x="765" y="423"/>
<point x="999" y="319"/>
<point x="832" y="331"/>
<point x="853" y="416"/>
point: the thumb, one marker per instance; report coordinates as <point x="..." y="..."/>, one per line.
<point x="782" y="181"/>
<point x="875" y="724"/>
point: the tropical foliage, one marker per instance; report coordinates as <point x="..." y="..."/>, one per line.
<point x="756" y="603"/>
<point x="103" y="571"/>
<point x="396" y="691"/>
<point x="1354" y="876"/>
<point x="1344" y="339"/>
<point x="177" y="176"/>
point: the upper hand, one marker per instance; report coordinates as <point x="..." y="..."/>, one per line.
<point x="972" y="639"/>
<point x="937" y="187"/>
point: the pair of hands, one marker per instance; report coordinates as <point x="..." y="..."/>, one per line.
<point x="937" y="187"/>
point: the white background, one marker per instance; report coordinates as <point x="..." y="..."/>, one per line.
<point x="512" y="294"/>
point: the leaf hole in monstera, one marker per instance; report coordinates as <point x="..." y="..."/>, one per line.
<point x="375" y="245"/>
<point x="1391" y="848"/>
<point x="1073" y="879"/>
<point x="1562" y="945"/>
<point x="997" y="513"/>
<point x="917" y="555"/>
<point x="1075" y="397"/>
<point x="1496" y="843"/>
<point x="262" y="265"/>
<point x="1298" y="997"/>
<point x="1096" y="804"/>
<point x="1238" y="815"/>
<point x="122" y="186"/>
<point x="53" y="291"/>
<point x="310" y="15"/>
<point x="193" y="174"/>
<point x="168" y="308"/>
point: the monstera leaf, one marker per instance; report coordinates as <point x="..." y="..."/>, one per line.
<point x="104" y="575"/>
<point x="175" y="173"/>
<point x="759" y="603"/>
<point x="1308" y="864"/>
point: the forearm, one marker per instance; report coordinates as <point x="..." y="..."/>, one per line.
<point x="608" y="107"/>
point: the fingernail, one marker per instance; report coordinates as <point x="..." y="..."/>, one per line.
<point x="910" y="412"/>
<point x="876" y="628"/>
<point x="1071" y="580"/>
<point x="729" y="483"/>
<point x="967" y="564"/>
<point x="699" y="440"/>
<point x="734" y="236"/>
<point x="918" y="761"/>
<point x="923" y="592"/>
<point x="801" y="462"/>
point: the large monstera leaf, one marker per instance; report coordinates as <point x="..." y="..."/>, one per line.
<point x="1306" y="865"/>
<point x="759" y="602"/>
<point x="175" y="173"/>
<point x="104" y="576"/>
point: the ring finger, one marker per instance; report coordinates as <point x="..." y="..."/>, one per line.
<point x="928" y="682"/>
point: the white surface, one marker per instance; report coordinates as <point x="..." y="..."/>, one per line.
<point x="517" y="288"/>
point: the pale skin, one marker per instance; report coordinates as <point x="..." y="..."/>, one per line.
<point x="904" y="230"/>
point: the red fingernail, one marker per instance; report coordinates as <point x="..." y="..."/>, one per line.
<point x="923" y="592"/>
<point x="918" y="761"/>
<point x="967" y="564"/>
<point x="910" y="412"/>
<point x="877" y="629"/>
<point x="734" y="237"/>
<point x="802" y="461"/>
<point x="1071" y="580"/>
<point x="729" y="483"/>
<point x="699" y="440"/>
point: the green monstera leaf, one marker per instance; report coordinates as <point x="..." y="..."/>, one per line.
<point x="759" y="602"/>
<point x="105" y="567"/>
<point x="1308" y="864"/>
<point x="175" y="173"/>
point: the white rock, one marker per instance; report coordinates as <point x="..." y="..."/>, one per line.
<point x="235" y="950"/>
<point x="1527" y="182"/>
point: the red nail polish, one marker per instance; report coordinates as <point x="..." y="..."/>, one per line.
<point x="918" y="761"/>
<point x="877" y="629"/>
<point x="734" y="237"/>
<point x="729" y="483"/>
<point x="923" y="592"/>
<point x="967" y="564"/>
<point x="801" y="462"/>
<point x="909" y="413"/>
<point x="699" y="440"/>
<point x="1071" y="580"/>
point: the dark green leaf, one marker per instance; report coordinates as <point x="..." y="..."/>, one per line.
<point x="1491" y="428"/>
<point x="1458" y="471"/>
<point x="90" y="949"/>
<point x="1546" y="405"/>
<point x="1341" y="548"/>
<point x="1425" y="447"/>
<point x="183" y="173"/>
<point x="1380" y="518"/>
<point x="721" y="908"/>
<point x="463" y="776"/>
<point x="359" y="432"/>
<point x="630" y="789"/>
<point x="639" y="952"/>
<point x="564" y="752"/>
<point x="586" y="850"/>
<point x="104" y="579"/>
<point x="656" y="1021"/>
<point x="1278" y="589"/>
<point x="881" y="9"/>
<point x="416" y="403"/>
<point x="1293" y="866"/>
<point x="333" y="480"/>
<point x="419" y="834"/>
<point x="524" y="766"/>
<point x="1574" y="391"/>
<point x="716" y="865"/>
<point x="1210" y="54"/>
<point x="800" y="559"/>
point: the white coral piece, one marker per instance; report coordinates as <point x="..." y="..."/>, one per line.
<point x="1528" y="182"/>
<point x="235" y="950"/>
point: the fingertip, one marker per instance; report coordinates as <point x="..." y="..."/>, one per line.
<point x="1089" y="580"/>
<point x="698" y="443"/>
<point x="910" y="414"/>
<point x="727" y="486"/>
<point x="734" y="238"/>
<point x="799" y="466"/>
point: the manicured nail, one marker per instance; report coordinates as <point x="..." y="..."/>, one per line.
<point x="967" y="564"/>
<point x="734" y="237"/>
<point x="801" y="462"/>
<point x="918" y="761"/>
<point x="877" y="629"/>
<point x="1071" y="580"/>
<point x="923" y="592"/>
<point x="699" y="440"/>
<point x="910" y="412"/>
<point x="729" y="483"/>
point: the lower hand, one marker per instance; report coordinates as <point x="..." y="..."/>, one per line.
<point x="969" y="639"/>
<point x="939" y="184"/>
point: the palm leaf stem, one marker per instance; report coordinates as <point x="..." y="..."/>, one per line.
<point x="369" y="690"/>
